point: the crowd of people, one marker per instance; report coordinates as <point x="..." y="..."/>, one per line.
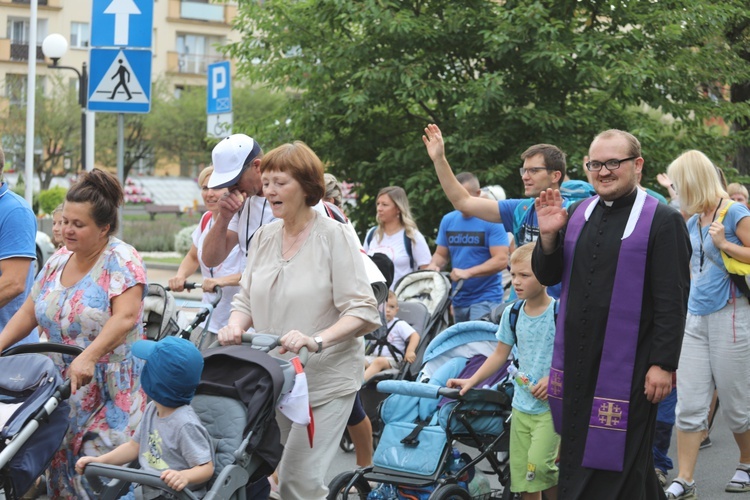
<point x="619" y="290"/>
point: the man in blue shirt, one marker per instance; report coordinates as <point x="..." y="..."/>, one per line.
<point x="543" y="168"/>
<point x="17" y="252"/>
<point x="478" y="252"/>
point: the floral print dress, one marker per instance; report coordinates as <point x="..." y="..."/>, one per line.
<point x="106" y="412"/>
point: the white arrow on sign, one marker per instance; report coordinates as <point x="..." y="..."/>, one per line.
<point x="122" y="10"/>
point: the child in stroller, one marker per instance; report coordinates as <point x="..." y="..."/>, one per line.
<point x="170" y="439"/>
<point x="239" y="388"/>
<point x="394" y="342"/>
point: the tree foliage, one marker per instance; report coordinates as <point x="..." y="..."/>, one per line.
<point x="136" y="147"/>
<point x="497" y="77"/>
<point x="57" y="127"/>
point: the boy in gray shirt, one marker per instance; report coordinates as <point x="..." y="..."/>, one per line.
<point x="170" y="438"/>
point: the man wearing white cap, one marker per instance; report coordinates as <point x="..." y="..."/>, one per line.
<point x="243" y="209"/>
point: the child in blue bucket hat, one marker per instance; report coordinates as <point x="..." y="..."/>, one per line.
<point x="170" y="438"/>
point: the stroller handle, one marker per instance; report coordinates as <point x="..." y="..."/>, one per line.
<point x="267" y="342"/>
<point x="44" y="347"/>
<point x="422" y="390"/>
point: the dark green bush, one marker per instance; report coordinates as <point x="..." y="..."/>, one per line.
<point x="51" y="198"/>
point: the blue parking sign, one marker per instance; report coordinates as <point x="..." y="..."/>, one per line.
<point x="122" y="23"/>
<point x="219" y="94"/>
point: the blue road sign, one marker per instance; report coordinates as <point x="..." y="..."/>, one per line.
<point x="119" y="80"/>
<point x="219" y="93"/>
<point x="123" y="23"/>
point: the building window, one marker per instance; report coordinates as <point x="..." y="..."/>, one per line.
<point x="18" y="33"/>
<point x="196" y="52"/>
<point x="79" y="35"/>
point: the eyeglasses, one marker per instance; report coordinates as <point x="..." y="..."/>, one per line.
<point x="613" y="164"/>
<point x="533" y="170"/>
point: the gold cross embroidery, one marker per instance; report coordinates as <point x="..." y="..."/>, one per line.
<point x="610" y="414"/>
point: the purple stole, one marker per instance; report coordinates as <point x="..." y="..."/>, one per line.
<point x="608" y="423"/>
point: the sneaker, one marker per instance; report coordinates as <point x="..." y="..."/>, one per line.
<point x="706" y="442"/>
<point x="680" y="490"/>
<point x="740" y="482"/>
<point x="662" y="477"/>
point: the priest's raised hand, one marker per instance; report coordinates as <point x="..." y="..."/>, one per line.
<point x="551" y="217"/>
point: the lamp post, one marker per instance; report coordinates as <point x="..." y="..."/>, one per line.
<point x="55" y="46"/>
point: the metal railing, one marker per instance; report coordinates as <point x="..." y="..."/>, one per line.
<point x="20" y="52"/>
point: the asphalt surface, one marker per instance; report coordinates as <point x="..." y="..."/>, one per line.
<point x="715" y="466"/>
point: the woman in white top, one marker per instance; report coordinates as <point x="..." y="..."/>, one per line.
<point x="395" y="227"/>
<point x="306" y="282"/>
<point x="226" y="275"/>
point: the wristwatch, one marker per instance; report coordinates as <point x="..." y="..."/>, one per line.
<point x="318" y="340"/>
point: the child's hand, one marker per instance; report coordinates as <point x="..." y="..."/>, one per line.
<point x="410" y="356"/>
<point x="83" y="462"/>
<point x="174" y="479"/>
<point x="539" y="391"/>
<point x="464" y="383"/>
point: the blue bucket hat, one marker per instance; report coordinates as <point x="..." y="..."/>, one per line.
<point x="172" y="372"/>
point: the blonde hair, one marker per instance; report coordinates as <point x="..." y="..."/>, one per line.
<point x="737" y="188"/>
<point x="696" y="181"/>
<point x="205" y="173"/>
<point x="522" y="254"/>
<point x="634" y="145"/>
<point x="58" y="208"/>
<point x="398" y="196"/>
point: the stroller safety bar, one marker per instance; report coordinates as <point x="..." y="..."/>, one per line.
<point x="266" y="342"/>
<point x="422" y="390"/>
<point x="94" y="472"/>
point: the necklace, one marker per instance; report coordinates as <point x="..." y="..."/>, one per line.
<point x="296" y="238"/>
<point x="700" y="234"/>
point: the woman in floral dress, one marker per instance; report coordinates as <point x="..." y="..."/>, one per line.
<point x="90" y="296"/>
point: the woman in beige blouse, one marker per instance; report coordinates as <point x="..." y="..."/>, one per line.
<point x="305" y="281"/>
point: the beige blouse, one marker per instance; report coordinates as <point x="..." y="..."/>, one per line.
<point x="324" y="281"/>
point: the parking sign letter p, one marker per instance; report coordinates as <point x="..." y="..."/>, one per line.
<point x="218" y="80"/>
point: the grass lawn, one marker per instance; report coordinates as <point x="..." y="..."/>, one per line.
<point x="163" y="260"/>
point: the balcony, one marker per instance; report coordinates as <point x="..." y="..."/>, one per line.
<point x="20" y="52"/>
<point x="23" y="4"/>
<point x="27" y="2"/>
<point x="190" y="64"/>
<point x="185" y="10"/>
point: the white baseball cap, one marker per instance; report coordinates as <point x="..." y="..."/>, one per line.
<point x="231" y="157"/>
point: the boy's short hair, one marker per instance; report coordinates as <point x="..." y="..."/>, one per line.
<point x="522" y="253"/>
<point x="172" y="371"/>
<point x="392" y="295"/>
<point x="737" y="188"/>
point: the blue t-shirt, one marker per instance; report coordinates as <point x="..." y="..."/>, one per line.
<point x="535" y="340"/>
<point x="709" y="287"/>
<point x="17" y="239"/>
<point x="469" y="240"/>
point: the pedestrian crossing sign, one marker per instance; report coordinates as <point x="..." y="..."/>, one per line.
<point x="119" y="81"/>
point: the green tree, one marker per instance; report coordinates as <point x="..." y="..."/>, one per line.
<point x="177" y="125"/>
<point x="57" y="128"/>
<point x="497" y="77"/>
<point x="137" y="144"/>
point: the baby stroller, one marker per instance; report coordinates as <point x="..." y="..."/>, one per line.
<point x="423" y="419"/>
<point x="235" y="400"/>
<point x="162" y="315"/>
<point x="431" y="289"/>
<point x="34" y="413"/>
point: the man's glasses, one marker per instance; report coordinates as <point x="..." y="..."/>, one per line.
<point x="532" y="170"/>
<point x="613" y="164"/>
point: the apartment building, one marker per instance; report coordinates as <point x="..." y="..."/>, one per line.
<point x="186" y="36"/>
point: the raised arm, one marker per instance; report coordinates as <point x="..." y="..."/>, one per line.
<point x="219" y="240"/>
<point x="457" y="194"/>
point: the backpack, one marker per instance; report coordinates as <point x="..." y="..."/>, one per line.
<point x="515" y="311"/>
<point x="407" y="244"/>
<point x="739" y="272"/>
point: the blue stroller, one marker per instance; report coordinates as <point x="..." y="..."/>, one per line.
<point x="423" y="419"/>
<point x="34" y="413"/>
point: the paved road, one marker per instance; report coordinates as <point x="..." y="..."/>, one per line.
<point x="715" y="464"/>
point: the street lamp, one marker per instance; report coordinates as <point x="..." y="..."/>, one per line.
<point x="55" y="46"/>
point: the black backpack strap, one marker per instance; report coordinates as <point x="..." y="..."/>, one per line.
<point x="409" y="250"/>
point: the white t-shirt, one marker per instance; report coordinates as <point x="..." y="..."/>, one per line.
<point x="255" y="212"/>
<point x="393" y="247"/>
<point x="233" y="264"/>
<point x="397" y="337"/>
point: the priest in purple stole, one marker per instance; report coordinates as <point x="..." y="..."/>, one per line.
<point x="623" y="261"/>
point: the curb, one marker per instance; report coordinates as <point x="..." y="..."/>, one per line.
<point x="161" y="265"/>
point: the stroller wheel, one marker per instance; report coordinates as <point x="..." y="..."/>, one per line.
<point x="450" y="492"/>
<point x="338" y="488"/>
<point x="346" y="442"/>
